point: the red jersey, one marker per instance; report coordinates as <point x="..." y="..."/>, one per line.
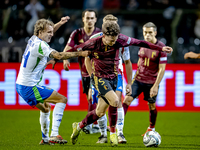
<point x="78" y="37"/>
<point x="105" y="59"/>
<point x="149" y="64"/>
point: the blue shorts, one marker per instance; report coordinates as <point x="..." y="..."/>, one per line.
<point x="94" y="95"/>
<point x="119" y="83"/>
<point x="95" y="92"/>
<point x="34" y="94"/>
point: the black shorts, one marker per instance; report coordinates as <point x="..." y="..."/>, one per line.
<point x="86" y="84"/>
<point x="139" y="87"/>
<point x="103" y="85"/>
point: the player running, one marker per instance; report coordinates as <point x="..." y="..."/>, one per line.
<point x="105" y="60"/>
<point x="123" y="53"/>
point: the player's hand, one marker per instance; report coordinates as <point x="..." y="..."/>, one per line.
<point x="190" y="55"/>
<point x="53" y="62"/>
<point x="66" y="65"/>
<point x="128" y="90"/>
<point x="85" y="53"/>
<point x="153" y="91"/>
<point x="65" y="19"/>
<point x="167" y="49"/>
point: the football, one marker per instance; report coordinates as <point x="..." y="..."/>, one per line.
<point x="152" y="138"/>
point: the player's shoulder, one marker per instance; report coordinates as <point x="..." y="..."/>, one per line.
<point x="159" y="43"/>
<point x="96" y="35"/>
<point x="77" y="31"/>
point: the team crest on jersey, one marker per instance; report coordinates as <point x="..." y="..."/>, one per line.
<point x="105" y="87"/>
<point x="81" y="41"/>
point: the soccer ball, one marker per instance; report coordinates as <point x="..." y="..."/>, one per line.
<point x="152" y="138"/>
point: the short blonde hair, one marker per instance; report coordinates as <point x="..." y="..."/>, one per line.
<point x="41" y="25"/>
<point x="110" y="17"/>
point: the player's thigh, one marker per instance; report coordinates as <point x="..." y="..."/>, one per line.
<point x="101" y="107"/>
<point x="119" y="94"/>
<point x="56" y="98"/>
<point x="136" y="89"/>
<point x="146" y="91"/>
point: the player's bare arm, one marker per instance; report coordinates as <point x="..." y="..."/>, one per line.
<point x="191" y="55"/>
<point x="154" y="89"/>
<point x="67" y="55"/>
<point x="88" y="66"/>
<point x="62" y="21"/>
<point x="167" y="49"/>
<point x="66" y="63"/>
<point x="128" y="66"/>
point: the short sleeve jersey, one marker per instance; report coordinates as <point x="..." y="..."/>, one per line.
<point x="78" y="37"/>
<point x="149" y="64"/>
<point x="33" y="62"/>
<point x="105" y="59"/>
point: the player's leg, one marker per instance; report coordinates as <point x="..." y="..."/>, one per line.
<point x="60" y="103"/>
<point x="90" y="118"/>
<point x="136" y="91"/>
<point x="102" y="122"/>
<point x="120" y="111"/>
<point x="152" y="107"/>
<point x="45" y="109"/>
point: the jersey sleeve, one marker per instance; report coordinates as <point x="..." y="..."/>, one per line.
<point x="96" y="35"/>
<point x="88" y="45"/>
<point x="128" y="41"/>
<point x="126" y="54"/>
<point x="44" y="49"/>
<point x="163" y="58"/>
<point x="72" y="41"/>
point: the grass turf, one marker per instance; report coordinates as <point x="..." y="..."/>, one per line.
<point x="20" y="130"/>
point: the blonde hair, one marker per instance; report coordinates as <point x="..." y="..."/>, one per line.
<point x="41" y="25"/>
<point x="110" y="17"/>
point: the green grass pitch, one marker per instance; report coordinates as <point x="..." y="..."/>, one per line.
<point x="20" y="130"/>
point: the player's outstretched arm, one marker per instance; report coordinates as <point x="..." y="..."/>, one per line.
<point x="67" y="55"/>
<point x="191" y="55"/>
<point x="167" y="49"/>
<point x="128" y="66"/>
<point x="62" y="21"/>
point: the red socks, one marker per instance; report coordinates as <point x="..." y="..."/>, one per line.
<point x="112" y="114"/>
<point x="125" y="106"/>
<point x="152" y="117"/>
<point x="90" y="118"/>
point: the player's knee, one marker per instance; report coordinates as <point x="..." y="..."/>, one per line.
<point x="128" y="100"/>
<point x="115" y="103"/>
<point x="64" y="99"/>
<point x="152" y="106"/>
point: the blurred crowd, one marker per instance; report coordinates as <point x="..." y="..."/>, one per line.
<point x="178" y="22"/>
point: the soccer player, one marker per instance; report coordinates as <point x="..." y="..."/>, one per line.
<point x="150" y="71"/>
<point x="79" y="36"/>
<point x="31" y="70"/>
<point x="123" y="53"/>
<point x="191" y="55"/>
<point x="105" y="60"/>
